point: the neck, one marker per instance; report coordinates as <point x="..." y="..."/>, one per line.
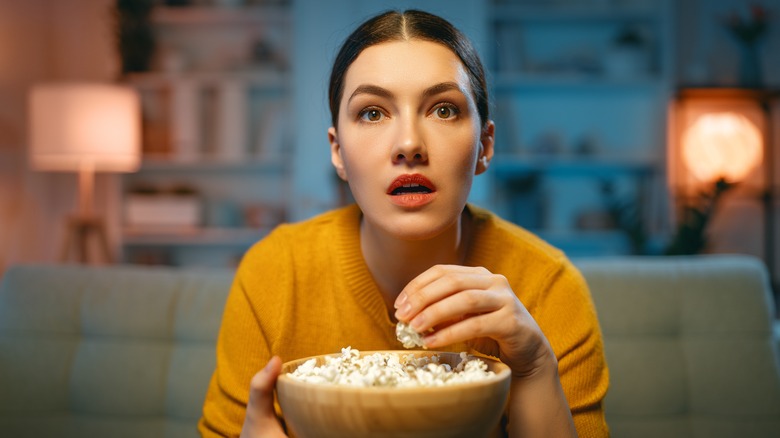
<point x="394" y="262"/>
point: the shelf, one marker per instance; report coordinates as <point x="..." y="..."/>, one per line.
<point x="587" y="242"/>
<point x="578" y="13"/>
<point x="512" y="166"/>
<point x="529" y="81"/>
<point x="163" y="164"/>
<point x="212" y="15"/>
<point x="260" y="79"/>
<point x="239" y="237"/>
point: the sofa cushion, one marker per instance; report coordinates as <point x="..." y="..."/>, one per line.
<point x="119" y="351"/>
<point x="689" y="344"/>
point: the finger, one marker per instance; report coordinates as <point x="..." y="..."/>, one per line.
<point x="261" y="415"/>
<point x="457" y="307"/>
<point x="489" y="325"/>
<point x="428" y="276"/>
<point x="437" y="285"/>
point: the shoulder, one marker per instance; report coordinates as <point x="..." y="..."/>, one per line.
<point x="512" y="246"/>
<point x="535" y="269"/>
<point x="306" y="233"/>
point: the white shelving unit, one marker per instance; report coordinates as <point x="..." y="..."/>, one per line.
<point x="581" y="120"/>
<point x="216" y="108"/>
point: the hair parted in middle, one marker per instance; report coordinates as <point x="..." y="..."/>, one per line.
<point x="403" y="26"/>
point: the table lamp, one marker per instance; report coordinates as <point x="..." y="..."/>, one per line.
<point x="84" y="128"/>
<point x="721" y="145"/>
<point x="719" y="139"/>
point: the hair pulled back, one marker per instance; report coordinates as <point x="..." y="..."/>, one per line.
<point x="403" y="26"/>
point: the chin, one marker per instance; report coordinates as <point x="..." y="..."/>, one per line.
<point x="420" y="225"/>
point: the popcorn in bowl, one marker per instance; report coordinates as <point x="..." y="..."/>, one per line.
<point x="390" y="370"/>
<point x="414" y="394"/>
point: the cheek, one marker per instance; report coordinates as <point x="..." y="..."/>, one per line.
<point x="360" y="152"/>
<point x="462" y="148"/>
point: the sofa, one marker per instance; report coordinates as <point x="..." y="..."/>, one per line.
<point x="127" y="351"/>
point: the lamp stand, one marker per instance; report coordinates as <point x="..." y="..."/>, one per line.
<point x="84" y="224"/>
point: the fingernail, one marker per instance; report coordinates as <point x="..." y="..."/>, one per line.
<point x="417" y="322"/>
<point x="400" y="301"/>
<point x="403" y="311"/>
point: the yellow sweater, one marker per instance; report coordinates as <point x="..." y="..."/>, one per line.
<point x="305" y="290"/>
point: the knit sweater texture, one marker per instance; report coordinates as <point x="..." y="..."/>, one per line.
<point x="305" y="290"/>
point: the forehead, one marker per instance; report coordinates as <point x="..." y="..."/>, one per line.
<point x="406" y="65"/>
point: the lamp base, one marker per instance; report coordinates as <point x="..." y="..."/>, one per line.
<point x="79" y="229"/>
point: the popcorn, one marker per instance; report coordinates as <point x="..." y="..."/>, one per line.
<point x="390" y="370"/>
<point x="407" y="336"/>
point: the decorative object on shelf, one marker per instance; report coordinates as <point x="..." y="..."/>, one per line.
<point x="550" y="143"/>
<point x="719" y="143"/>
<point x="148" y="208"/>
<point x="185" y="112"/>
<point x="691" y="234"/>
<point x="627" y="56"/>
<point x="135" y="37"/>
<point x="748" y="31"/>
<point x="528" y="206"/>
<point x="232" y="123"/>
<point x="85" y="128"/>
<point x="625" y="214"/>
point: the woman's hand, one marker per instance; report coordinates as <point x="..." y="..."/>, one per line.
<point x="473" y="305"/>
<point x="260" y="420"/>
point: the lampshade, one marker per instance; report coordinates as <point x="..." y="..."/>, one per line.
<point x="76" y="126"/>
<point x="721" y="145"/>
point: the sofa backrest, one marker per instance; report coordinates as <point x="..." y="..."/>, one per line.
<point x="106" y="352"/>
<point x="129" y="351"/>
<point x="689" y="344"/>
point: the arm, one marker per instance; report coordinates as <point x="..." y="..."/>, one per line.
<point x="472" y="305"/>
<point x="237" y="400"/>
<point x="260" y="420"/>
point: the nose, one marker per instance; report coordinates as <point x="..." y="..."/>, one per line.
<point x="409" y="146"/>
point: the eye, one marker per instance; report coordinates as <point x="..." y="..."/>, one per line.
<point x="371" y="115"/>
<point x="446" y="111"/>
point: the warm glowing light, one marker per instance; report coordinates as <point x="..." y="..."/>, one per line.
<point x="73" y="126"/>
<point x="722" y="145"/>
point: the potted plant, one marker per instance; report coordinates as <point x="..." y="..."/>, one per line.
<point x="627" y="55"/>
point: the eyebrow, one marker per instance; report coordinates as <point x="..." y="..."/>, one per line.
<point x="383" y="92"/>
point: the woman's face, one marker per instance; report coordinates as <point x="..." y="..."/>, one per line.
<point x="409" y="139"/>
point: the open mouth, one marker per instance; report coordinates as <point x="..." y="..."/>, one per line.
<point x="410" y="188"/>
<point x="411" y="185"/>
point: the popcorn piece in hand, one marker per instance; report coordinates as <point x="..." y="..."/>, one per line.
<point x="407" y="336"/>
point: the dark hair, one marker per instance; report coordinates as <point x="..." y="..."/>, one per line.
<point x="408" y="25"/>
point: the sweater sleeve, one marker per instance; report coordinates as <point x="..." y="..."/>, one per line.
<point x="243" y="344"/>
<point x="567" y="316"/>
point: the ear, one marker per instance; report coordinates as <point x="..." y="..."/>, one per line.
<point x="487" y="143"/>
<point x="335" y="153"/>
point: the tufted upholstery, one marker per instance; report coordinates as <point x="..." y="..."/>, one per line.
<point x="128" y="351"/>
<point x="109" y="352"/>
<point x="690" y="346"/>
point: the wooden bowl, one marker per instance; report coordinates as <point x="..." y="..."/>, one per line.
<point x="463" y="410"/>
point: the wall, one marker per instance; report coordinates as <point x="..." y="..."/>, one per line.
<point x="44" y="40"/>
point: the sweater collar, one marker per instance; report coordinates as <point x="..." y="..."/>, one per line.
<point x="356" y="272"/>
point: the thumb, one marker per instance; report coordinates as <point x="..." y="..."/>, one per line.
<point x="260" y="415"/>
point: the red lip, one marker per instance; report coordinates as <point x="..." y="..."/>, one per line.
<point x="407" y="179"/>
<point x="411" y="191"/>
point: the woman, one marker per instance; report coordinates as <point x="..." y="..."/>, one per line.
<point x="410" y="131"/>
